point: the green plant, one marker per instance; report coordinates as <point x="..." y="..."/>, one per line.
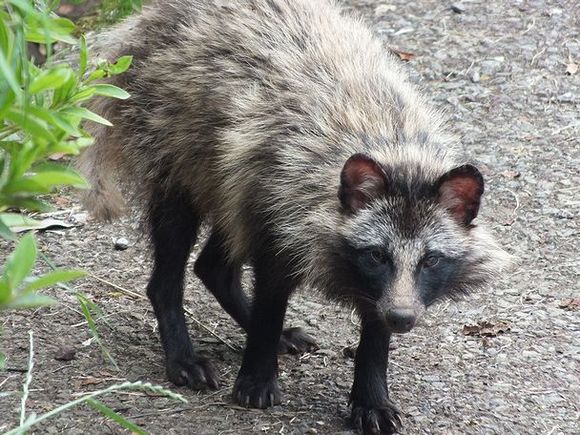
<point x="114" y="10"/>
<point x="41" y="114"/>
<point x="90" y="398"/>
<point x="108" y="12"/>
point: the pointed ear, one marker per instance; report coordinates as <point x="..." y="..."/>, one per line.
<point x="362" y="179"/>
<point x="460" y="192"/>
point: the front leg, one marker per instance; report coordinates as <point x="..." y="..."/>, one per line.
<point x="257" y="384"/>
<point x="372" y="411"/>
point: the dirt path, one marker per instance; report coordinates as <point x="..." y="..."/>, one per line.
<point x="500" y="69"/>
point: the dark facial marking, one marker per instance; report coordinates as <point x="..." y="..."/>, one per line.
<point x="371" y="270"/>
<point x="433" y="276"/>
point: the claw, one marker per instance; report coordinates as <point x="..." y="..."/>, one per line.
<point x="399" y="422"/>
<point x="358" y="422"/>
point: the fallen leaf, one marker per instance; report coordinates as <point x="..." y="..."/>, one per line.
<point x="508" y="222"/>
<point x="405" y="56"/>
<point x="572" y="304"/>
<point x="19" y="223"/>
<point x="56" y="156"/>
<point x="45" y="224"/>
<point x="91" y="381"/>
<point x="511" y="174"/>
<point x="65" y="9"/>
<point x="62" y="202"/>
<point x="571" y="68"/>
<point x="486" y="329"/>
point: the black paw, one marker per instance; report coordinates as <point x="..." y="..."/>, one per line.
<point x="295" y="341"/>
<point x="383" y="420"/>
<point x="252" y="392"/>
<point x="194" y="372"/>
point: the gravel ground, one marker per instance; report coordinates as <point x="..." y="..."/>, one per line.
<point x="507" y="72"/>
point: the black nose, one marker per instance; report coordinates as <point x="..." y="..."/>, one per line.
<point x="401" y="319"/>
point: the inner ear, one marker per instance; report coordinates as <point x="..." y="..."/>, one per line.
<point x="361" y="180"/>
<point x="460" y="190"/>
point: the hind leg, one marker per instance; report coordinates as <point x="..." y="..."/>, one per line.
<point x="174" y="225"/>
<point x="223" y="279"/>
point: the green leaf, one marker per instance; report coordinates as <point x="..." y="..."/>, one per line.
<point x="50" y="31"/>
<point x="7" y="75"/>
<point x="17" y="222"/>
<point x="6" y="38"/>
<point x="62" y="93"/>
<point x="73" y="146"/>
<point x="30" y="124"/>
<point x="5" y="291"/>
<point x="95" y="75"/>
<point x="59" y="176"/>
<point x="24" y="6"/>
<point x="26" y="185"/>
<point x="122" y="65"/>
<point x="63" y="25"/>
<point x="110" y="91"/>
<point x="29" y="300"/>
<point x="5" y="231"/>
<point x="7" y="97"/>
<point x="42" y="180"/>
<point x="50" y="79"/>
<point x="5" y="160"/>
<point x="64" y="124"/>
<point x="84" y="113"/>
<point x="113" y="416"/>
<point x="27" y="204"/>
<point x="52" y="118"/>
<point x="52" y="278"/>
<point x="83" y="56"/>
<point x="82" y="95"/>
<point x="20" y="263"/>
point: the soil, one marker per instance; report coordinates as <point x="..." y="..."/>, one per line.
<point x="505" y="73"/>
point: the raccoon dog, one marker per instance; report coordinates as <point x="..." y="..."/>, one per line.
<point x="287" y="127"/>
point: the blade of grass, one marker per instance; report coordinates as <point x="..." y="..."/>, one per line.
<point x="86" y="305"/>
<point x="113" y="416"/>
<point x="143" y="386"/>
<point x="28" y="380"/>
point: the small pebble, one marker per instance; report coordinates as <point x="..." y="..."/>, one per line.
<point x="457" y="8"/>
<point x="121" y="244"/>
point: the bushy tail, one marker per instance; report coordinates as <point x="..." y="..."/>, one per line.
<point x="103" y="200"/>
<point x="99" y="163"/>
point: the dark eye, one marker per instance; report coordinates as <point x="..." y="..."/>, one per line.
<point x="430" y="261"/>
<point x="378" y="256"/>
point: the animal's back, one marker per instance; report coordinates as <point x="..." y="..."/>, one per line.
<point x="253" y="106"/>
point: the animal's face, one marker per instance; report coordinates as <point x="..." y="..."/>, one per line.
<point x="405" y="246"/>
